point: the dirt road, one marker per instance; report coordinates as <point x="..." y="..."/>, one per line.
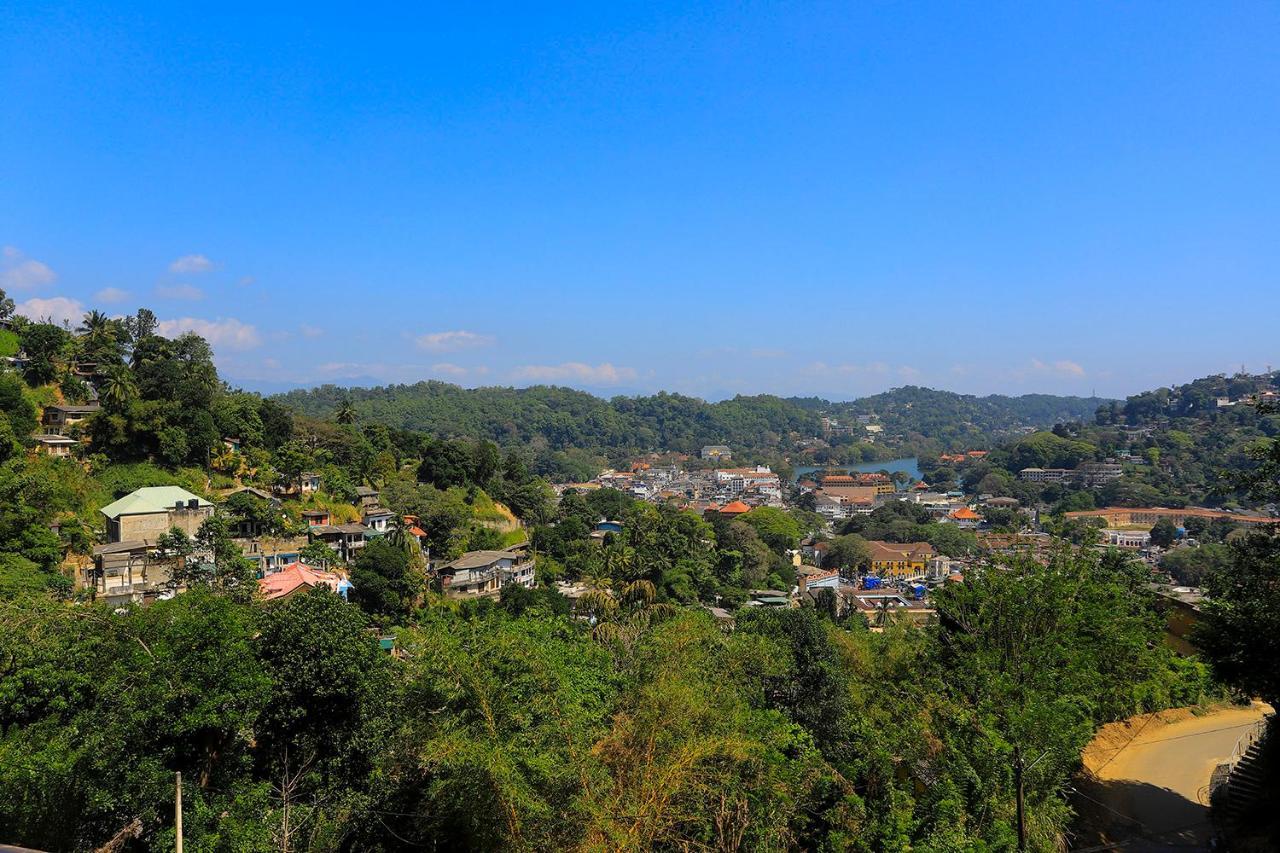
<point x="1154" y="774"/>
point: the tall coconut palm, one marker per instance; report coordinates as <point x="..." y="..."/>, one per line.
<point x="118" y="387"/>
<point x="94" y="324"/>
<point x="621" y="621"/>
<point x="346" y="413"/>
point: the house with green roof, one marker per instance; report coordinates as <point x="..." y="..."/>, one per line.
<point x="148" y="513"/>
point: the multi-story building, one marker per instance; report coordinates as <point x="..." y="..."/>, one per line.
<point x="485" y="573"/>
<point x="899" y="559"/>
<point x="1044" y="475"/>
<point x="147" y="514"/>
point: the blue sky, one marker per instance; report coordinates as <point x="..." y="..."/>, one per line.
<point x="714" y="198"/>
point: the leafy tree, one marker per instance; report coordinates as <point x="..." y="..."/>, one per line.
<point x="383" y="580"/>
<point x="849" y="553"/>
<point x="45" y="345"/>
<point x="779" y="530"/>
<point x="1163" y="533"/>
<point x="1240" y="630"/>
<point x="15" y="405"/>
<point x="326" y="718"/>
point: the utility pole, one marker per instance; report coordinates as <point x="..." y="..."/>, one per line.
<point x="1017" y="781"/>
<point x="177" y="814"/>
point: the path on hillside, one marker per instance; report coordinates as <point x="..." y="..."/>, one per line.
<point x="1154" y="775"/>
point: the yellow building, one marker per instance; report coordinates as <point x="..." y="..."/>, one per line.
<point x="899" y="559"/>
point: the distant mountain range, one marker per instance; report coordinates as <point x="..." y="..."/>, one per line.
<point x="561" y="418"/>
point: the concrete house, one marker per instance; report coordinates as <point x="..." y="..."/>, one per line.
<point x="149" y="513"/>
<point x="58" y="418"/>
<point x="54" y="445"/>
<point x="485" y="573"/>
<point x="344" y="539"/>
<point x="378" y="519"/>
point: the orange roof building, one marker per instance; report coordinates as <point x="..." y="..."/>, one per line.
<point x="965" y="514"/>
<point x="295" y="577"/>
<point x="735" y="508"/>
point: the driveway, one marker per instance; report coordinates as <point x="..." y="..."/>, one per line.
<point x="1156" y="784"/>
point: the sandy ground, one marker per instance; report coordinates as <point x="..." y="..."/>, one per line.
<point x="1153" y="773"/>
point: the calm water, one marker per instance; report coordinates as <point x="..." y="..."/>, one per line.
<point x="910" y="465"/>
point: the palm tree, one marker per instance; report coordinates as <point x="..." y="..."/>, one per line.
<point x="346" y="413"/>
<point x="118" y="387"/>
<point x="94" y="324"/>
<point x="402" y="537"/>
<point x="620" y="622"/>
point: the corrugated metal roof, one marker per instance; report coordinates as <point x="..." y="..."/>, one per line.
<point x="151" y="499"/>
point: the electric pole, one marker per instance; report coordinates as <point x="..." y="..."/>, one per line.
<point x="1017" y="781"/>
<point x="177" y="814"/>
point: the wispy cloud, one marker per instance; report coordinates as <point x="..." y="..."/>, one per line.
<point x="18" y="272"/>
<point x="1061" y="367"/>
<point x="310" y="331"/>
<point x="56" y="309"/>
<point x="188" y="264"/>
<point x="456" y="371"/>
<point x="451" y="341"/>
<point x="229" y="332"/>
<point x="111" y="295"/>
<point x="599" y="374"/>
<point x="186" y="292"/>
<point x="821" y="368"/>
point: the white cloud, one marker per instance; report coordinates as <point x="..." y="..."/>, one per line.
<point x="188" y="292"/>
<point x="18" y="272"/>
<point x="311" y="331"/>
<point x="456" y="371"/>
<point x="821" y="368"/>
<point x="191" y="264"/>
<point x="229" y="333"/>
<point x="451" y="341"/>
<point x="1062" y="367"/>
<point x="111" y="295"/>
<point x="57" y="309"/>
<point x="600" y="374"/>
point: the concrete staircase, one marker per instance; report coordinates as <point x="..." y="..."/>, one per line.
<point x="1244" y="784"/>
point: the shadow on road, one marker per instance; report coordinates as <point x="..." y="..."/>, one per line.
<point x="1148" y="817"/>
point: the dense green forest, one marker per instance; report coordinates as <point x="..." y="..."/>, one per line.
<point x="562" y="425"/>
<point x="562" y="418"/>
<point x="946" y="421"/>
<point x="517" y="725"/>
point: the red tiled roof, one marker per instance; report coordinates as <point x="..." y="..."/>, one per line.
<point x="735" y="508"/>
<point x="292" y="577"/>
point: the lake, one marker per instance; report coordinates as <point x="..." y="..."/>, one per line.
<point x="910" y="465"/>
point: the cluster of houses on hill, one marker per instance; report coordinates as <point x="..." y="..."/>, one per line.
<point x="56" y="423"/>
<point x="133" y="566"/>
<point x="696" y="489"/>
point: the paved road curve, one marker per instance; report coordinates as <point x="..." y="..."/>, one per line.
<point x="1161" y="778"/>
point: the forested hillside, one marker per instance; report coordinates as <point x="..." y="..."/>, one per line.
<point x="562" y="419"/>
<point x="1178" y="446"/>
<point x="912" y="415"/>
